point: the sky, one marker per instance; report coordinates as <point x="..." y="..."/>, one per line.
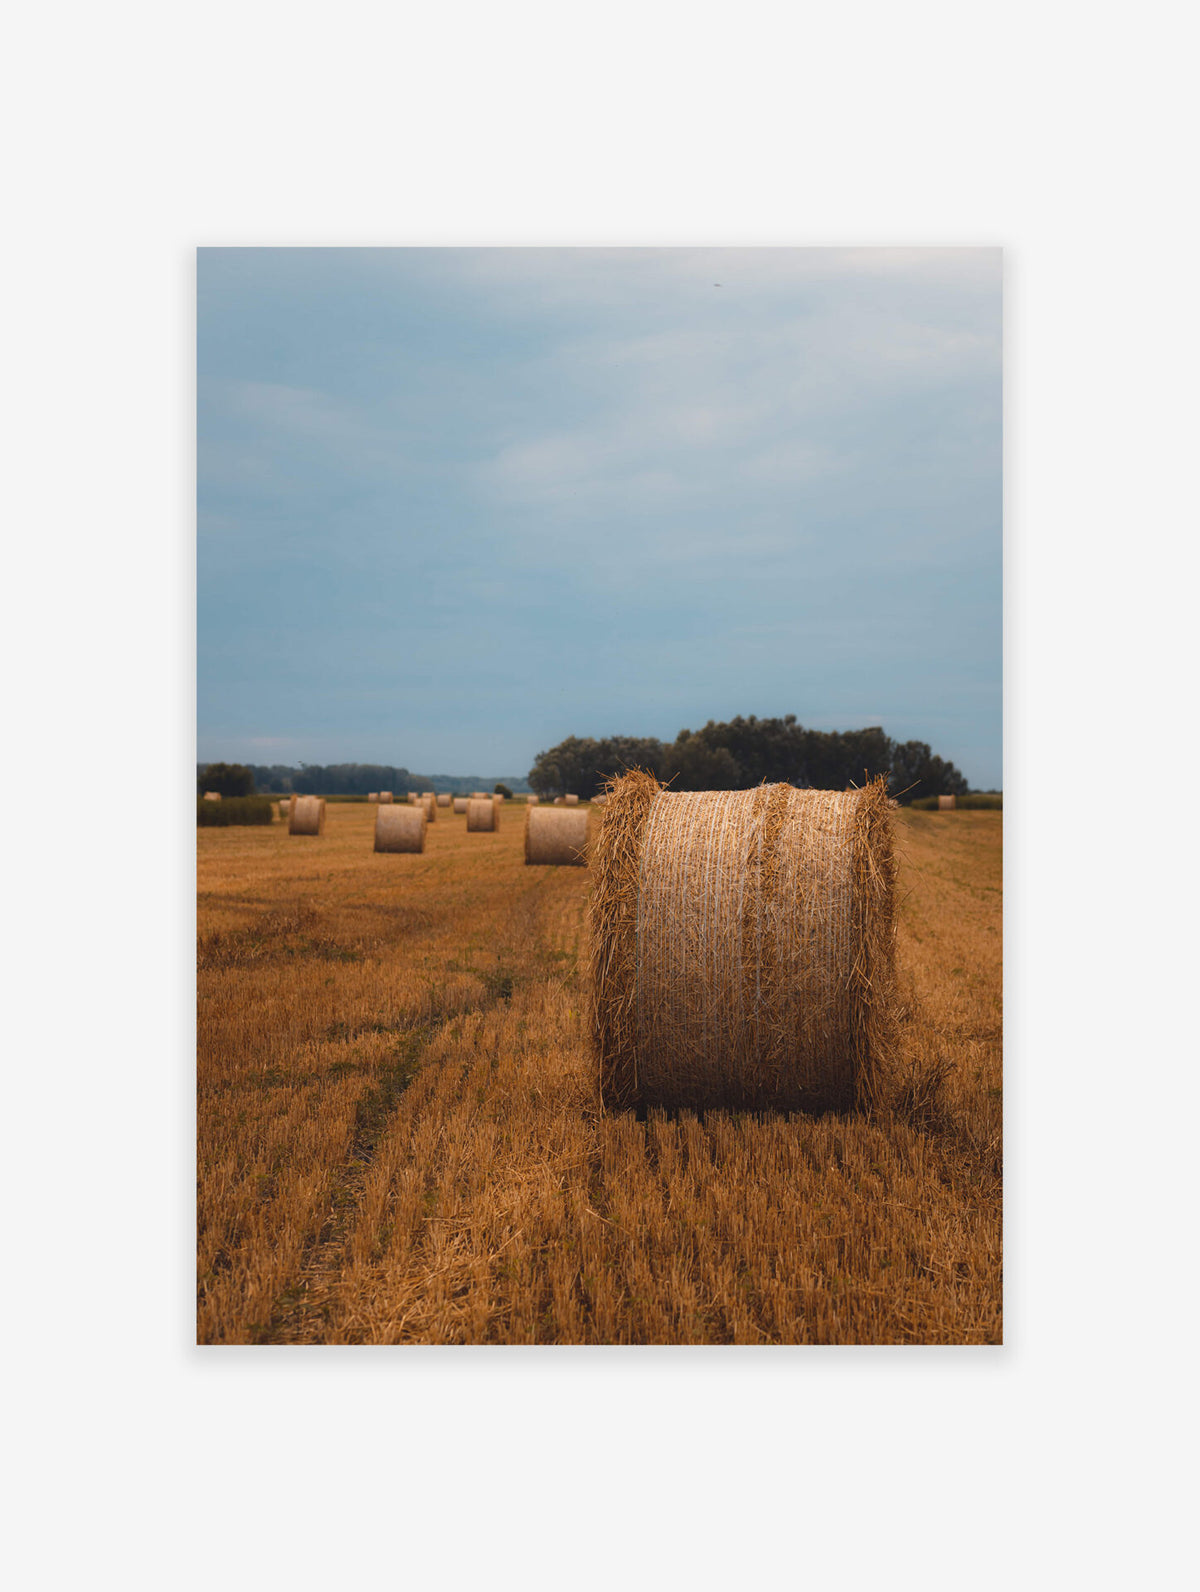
<point x="457" y="504"/>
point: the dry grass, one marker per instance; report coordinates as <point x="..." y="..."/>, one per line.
<point x="400" y="1138"/>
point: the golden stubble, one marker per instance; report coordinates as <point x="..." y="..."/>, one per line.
<point x="401" y="1138"/>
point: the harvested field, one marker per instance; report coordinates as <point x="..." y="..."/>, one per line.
<point x="400" y="1138"/>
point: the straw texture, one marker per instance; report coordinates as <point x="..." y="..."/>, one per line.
<point x="307" y="816"/>
<point x="559" y="838"/>
<point x="482" y="816"/>
<point x="742" y="946"/>
<point x="400" y="828"/>
<point x="460" y="804"/>
<point x="946" y="804"/>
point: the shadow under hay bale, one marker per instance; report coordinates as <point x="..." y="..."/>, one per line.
<point x="742" y="947"/>
<point x="400" y="828"/>
<point x="307" y="816"/>
<point x="558" y="838"/>
<point x="483" y="816"/>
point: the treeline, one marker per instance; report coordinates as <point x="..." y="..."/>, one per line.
<point x="746" y="752"/>
<point x="333" y="779"/>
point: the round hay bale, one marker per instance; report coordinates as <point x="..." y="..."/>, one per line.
<point x="372" y="795"/>
<point x="444" y="799"/>
<point x="212" y="795"/>
<point x="478" y="795"/>
<point x="307" y="816"/>
<point x="460" y="804"/>
<point x="571" y="801"/>
<point x="557" y="838"/>
<point x="946" y="804"/>
<point x="413" y="797"/>
<point x="428" y="805"/>
<point x="532" y="801"/>
<point x="400" y="828"/>
<point x="385" y="796"/>
<point x="284" y="808"/>
<point x="482" y="816"/>
<point x="560" y="801"/>
<point x="741" y="946"/>
<point x="599" y="801"/>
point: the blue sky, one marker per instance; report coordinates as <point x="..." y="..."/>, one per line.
<point x="456" y="504"/>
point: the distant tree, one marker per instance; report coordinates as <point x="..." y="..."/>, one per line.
<point x="693" y="763"/>
<point x="916" y="771"/>
<point x="583" y="766"/>
<point x="228" y="779"/>
<point x="502" y="790"/>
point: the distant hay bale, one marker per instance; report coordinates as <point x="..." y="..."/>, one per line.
<point x="741" y="946"/>
<point x="372" y="795"/>
<point x="945" y="804"/>
<point x="444" y="799"/>
<point x="571" y="801"/>
<point x="557" y="838"/>
<point x="478" y="795"/>
<point x="400" y="828"/>
<point x="599" y="801"/>
<point x="414" y="797"/>
<point x="460" y="804"/>
<point x="532" y="801"/>
<point x="284" y="808"/>
<point x="428" y="805"/>
<point x="307" y="816"/>
<point x="560" y="801"/>
<point x="386" y="796"/>
<point x="212" y="795"/>
<point x="483" y="816"/>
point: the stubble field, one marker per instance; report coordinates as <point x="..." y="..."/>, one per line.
<point x="399" y="1138"/>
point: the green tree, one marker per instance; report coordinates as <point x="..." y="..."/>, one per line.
<point x="502" y="790"/>
<point x="227" y="779"/>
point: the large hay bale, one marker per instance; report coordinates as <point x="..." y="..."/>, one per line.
<point x="385" y="796"/>
<point x="559" y="838"/>
<point x="742" y="946"/>
<point x="372" y="795"/>
<point x="570" y="801"/>
<point x="483" y="816"/>
<point x="212" y="795"/>
<point x="444" y="799"/>
<point x="946" y="804"/>
<point x="307" y="816"/>
<point x="460" y="804"/>
<point x="400" y="828"/>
